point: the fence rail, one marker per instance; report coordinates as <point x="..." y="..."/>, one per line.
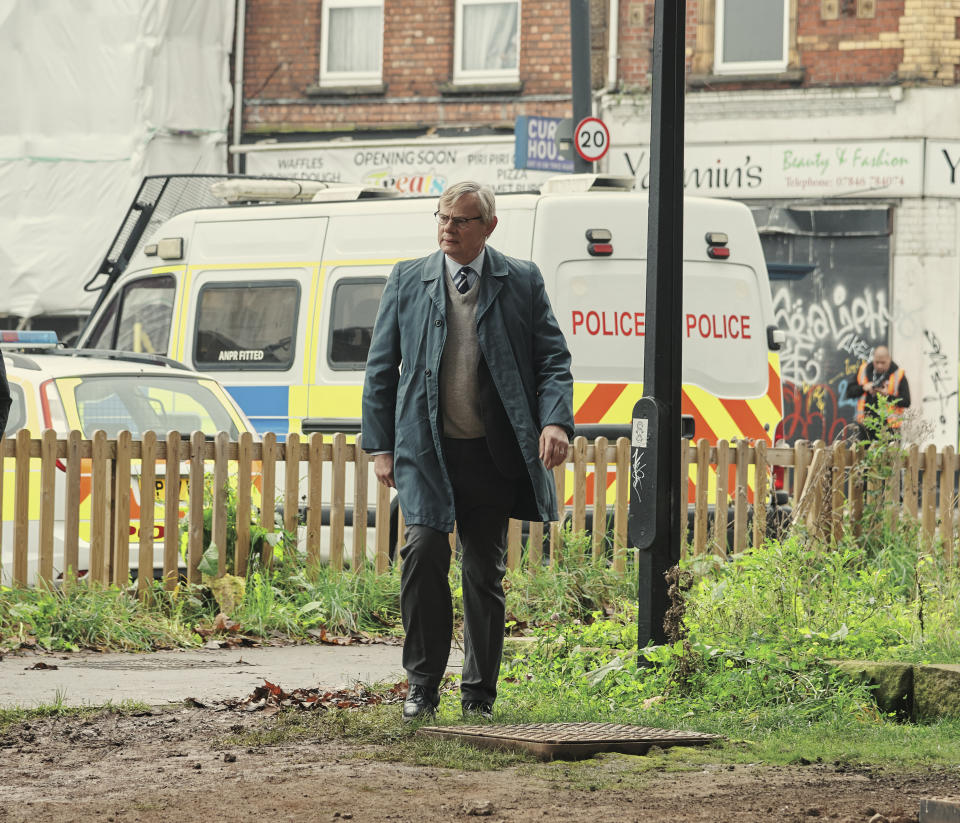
<point x="53" y="489"/>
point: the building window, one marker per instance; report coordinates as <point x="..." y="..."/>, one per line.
<point x="487" y="41"/>
<point x="351" y="43"/>
<point x="751" y="36"/>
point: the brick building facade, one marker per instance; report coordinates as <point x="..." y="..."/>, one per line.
<point x="835" y="120"/>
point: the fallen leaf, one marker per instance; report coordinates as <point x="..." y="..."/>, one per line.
<point x="41" y="665"/>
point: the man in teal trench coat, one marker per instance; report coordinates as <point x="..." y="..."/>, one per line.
<point x="467" y="405"/>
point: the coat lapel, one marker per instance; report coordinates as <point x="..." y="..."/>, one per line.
<point x="431" y="274"/>
<point x="495" y="269"/>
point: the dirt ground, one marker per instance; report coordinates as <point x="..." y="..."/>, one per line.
<point x="171" y="765"/>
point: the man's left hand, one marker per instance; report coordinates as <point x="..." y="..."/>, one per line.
<point x="553" y="446"/>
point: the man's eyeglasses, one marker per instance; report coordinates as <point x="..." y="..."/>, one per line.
<point x="458" y="222"/>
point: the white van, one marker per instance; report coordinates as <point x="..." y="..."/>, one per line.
<point x="272" y="288"/>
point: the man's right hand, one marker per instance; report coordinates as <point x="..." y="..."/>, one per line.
<point x="383" y="469"/>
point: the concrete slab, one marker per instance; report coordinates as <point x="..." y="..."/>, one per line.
<point x="936" y="691"/>
<point x="939" y="810"/>
<point x="207" y="675"/>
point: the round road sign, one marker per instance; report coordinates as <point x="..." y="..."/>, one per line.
<point x="591" y="139"/>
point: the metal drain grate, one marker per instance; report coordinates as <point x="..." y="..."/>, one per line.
<point x="569" y="741"/>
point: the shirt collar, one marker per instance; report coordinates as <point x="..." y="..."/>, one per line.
<point x="476" y="264"/>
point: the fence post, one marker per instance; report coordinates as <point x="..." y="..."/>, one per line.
<point x="928" y="495"/>
<point x="514" y="534"/>
<point x="315" y="500"/>
<point x="241" y="556"/>
<point x="268" y="492"/>
<point x="620" y="507"/>
<point x="856" y="483"/>
<point x="48" y="468"/>
<point x="198" y="443"/>
<point x="760" y="478"/>
<point x="599" y="497"/>
<point x="840" y="461"/>
<point x="71" y="525"/>
<point x="361" y="472"/>
<point x="684" y="513"/>
<point x="338" y="500"/>
<point x="98" y="507"/>
<point x="801" y="464"/>
<point x="171" y="512"/>
<point x="579" y="517"/>
<point x="121" y="509"/>
<point x="559" y="479"/>
<point x="148" y="497"/>
<point x="946" y="504"/>
<point x="740" y="500"/>
<point x="700" y="497"/>
<point x="291" y="484"/>
<point x="218" y="517"/>
<point x="893" y="489"/>
<point x="720" y="514"/>
<point x="913" y="481"/>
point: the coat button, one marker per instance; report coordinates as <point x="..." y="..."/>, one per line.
<point x="438" y="323"/>
<point x="428" y="372"/>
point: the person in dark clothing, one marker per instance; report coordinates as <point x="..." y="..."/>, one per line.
<point x="467" y="408"/>
<point x="5" y="397"/>
<point x="880" y="377"/>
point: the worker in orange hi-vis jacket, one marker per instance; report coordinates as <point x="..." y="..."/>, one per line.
<point x="880" y="377"/>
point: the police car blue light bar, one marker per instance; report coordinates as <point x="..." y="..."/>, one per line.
<point x="28" y="340"/>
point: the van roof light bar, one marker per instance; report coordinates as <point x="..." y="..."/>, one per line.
<point x="576" y="183"/>
<point x="238" y="190"/>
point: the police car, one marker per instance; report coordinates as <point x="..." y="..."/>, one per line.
<point x="65" y="390"/>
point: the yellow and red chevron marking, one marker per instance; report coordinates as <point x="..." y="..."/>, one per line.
<point x="715" y="418"/>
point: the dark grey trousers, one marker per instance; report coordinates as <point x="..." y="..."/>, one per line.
<point x="483" y="498"/>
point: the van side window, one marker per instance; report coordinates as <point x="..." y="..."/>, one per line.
<point x="146" y="314"/>
<point x="355" y="303"/>
<point x="249" y="326"/>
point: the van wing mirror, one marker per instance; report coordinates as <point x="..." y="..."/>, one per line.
<point x="775" y="338"/>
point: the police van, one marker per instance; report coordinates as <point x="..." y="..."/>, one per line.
<point x="272" y="287"/>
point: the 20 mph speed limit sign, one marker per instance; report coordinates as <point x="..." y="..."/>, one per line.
<point x="591" y="139"/>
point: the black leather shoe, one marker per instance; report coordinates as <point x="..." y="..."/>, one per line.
<point x="421" y="702"/>
<point x="476" y="710"/>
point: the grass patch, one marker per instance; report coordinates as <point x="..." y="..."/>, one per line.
<point x="11" y="718"/>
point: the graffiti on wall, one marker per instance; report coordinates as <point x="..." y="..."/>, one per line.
<point x="942" y="392"/>
<point x="827" y="337"/>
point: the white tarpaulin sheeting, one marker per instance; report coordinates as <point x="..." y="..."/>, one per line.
<point x="96" y="94"/>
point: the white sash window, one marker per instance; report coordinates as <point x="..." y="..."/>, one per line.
<point x="351" y="45"/>
<point x="751" y="36"/>
<point x="487" y="41"/>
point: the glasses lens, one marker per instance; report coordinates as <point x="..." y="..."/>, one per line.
<point x="441" y="218"/>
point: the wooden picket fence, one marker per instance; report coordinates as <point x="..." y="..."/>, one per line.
<point x="827" y="487"/>
<point x="288" y="472"/>
<point x="826" y="493"/>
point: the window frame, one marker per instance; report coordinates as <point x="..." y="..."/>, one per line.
<point x="751" y="66"/>
<point x="479" y="76"/>
<point x="327" y="78"/>
<point x="347" y="281"/>
<point x="112" y="315"/>
<point x="247" y="365"/>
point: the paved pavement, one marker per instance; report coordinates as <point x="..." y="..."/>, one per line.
<point x="208" y="675"/>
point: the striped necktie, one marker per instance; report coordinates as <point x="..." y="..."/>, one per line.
<point x="461" y="281"/>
